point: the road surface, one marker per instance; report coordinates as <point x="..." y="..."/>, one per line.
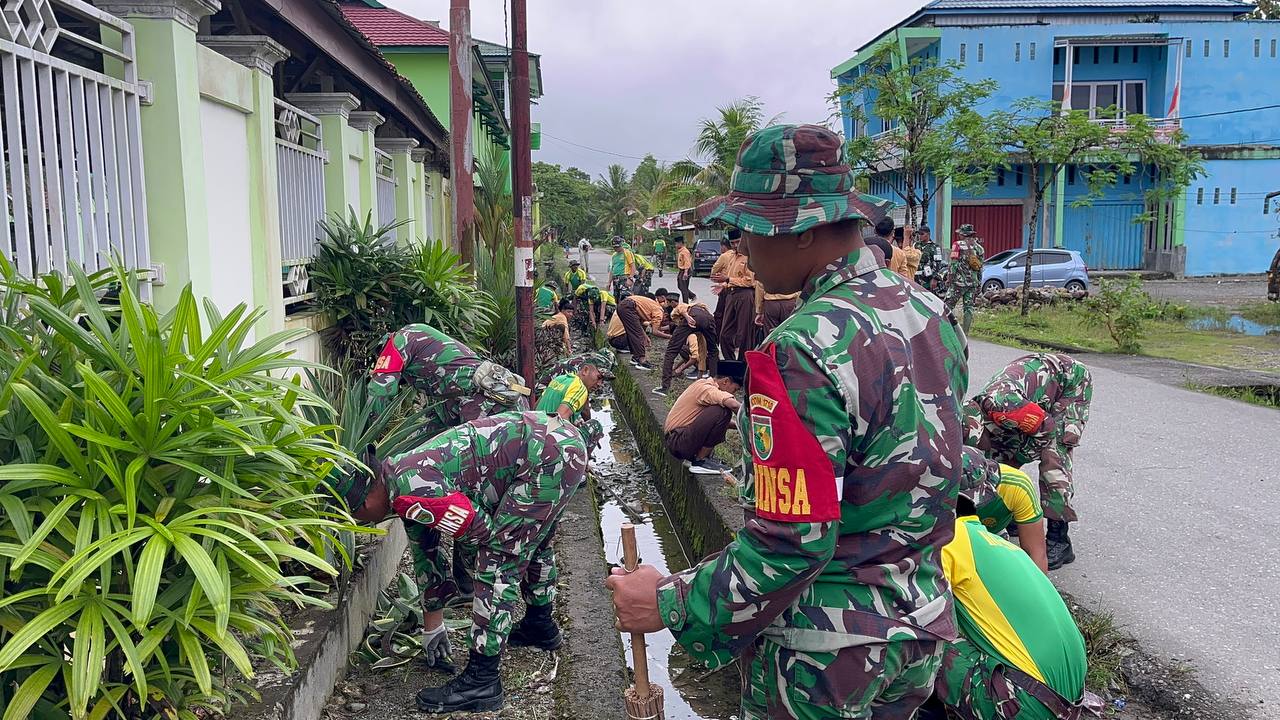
<point x="1178" y="494"/>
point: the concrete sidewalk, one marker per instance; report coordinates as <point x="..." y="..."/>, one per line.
<point x="1178" y="495"/>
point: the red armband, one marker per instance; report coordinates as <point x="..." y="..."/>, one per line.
<point x="450" y="514"/>
<point x="1027" y="418"/>
<point x="390" y="361"/>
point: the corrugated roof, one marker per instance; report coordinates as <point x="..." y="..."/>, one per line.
<point x="388" y="27"/>
<point x="1085" y="4"/>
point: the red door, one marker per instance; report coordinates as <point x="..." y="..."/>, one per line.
<point x="999" y="226"/>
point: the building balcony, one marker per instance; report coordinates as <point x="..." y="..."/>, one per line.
<point x="1165" y="128"/>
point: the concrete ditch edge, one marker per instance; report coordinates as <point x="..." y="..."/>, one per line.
<point x="322" y="655"/>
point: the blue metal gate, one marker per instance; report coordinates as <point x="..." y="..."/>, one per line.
<point x="1106" y="235"/>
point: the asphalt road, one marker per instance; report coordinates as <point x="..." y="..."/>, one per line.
<point x="1178" y="494"/>
<point x="599" y="271"/>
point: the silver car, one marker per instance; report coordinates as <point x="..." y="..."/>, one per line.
<point x="1049" y="268"/>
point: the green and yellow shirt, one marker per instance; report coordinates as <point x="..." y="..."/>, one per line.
<point x="564" y="390"/>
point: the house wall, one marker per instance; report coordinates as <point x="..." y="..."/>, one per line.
<point x="226" y="172"/>
<point x="1226" y="237"/>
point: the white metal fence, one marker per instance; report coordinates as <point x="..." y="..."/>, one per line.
<point x="70" y="138"/>
<point x="386" y="188"/>
<point x="300" y="161"/>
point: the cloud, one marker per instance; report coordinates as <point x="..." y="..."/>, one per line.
<point x="637" y="77"/>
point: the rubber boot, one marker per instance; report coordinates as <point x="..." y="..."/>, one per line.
<point x="1058" y="545"/>
<point x="477" y="689"/>
<point x="537" y="630"/>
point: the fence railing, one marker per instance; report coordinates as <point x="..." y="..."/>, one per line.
<point x="300" y="161"/>
<point x="70" y="136"/>
<point x="386" y="188"/>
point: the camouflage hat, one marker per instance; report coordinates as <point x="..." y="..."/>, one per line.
<point x="573" y="262"/>
<point x="789" y="179"/>
<point x="966" y="229"/>
<point x="617" y="241"/>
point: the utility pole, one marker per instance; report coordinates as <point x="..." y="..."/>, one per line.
<point x="460" y="75"/>
<point x="522" y="184"/>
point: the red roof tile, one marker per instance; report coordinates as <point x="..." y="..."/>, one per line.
<point x="387" y="27"/>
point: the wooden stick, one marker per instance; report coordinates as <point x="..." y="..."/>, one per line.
<point x="639" y="656"/>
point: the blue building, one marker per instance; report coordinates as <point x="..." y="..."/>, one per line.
<point x="1196" y="64"/>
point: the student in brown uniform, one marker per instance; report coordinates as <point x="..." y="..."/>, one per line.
<point x="561" y="320"/>
<point x="719" y="276"/>
<point x="771" y="310"/>
<point x="701" y="416"/>
<point x="684" y="269"/>
<point x="626" y="330"/>
<point x="688" y="320"/>
<point x="738" y="333"/>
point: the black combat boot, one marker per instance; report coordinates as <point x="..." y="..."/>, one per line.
<point x="1058" y="545"/>
<point x="536" y="630"/>
<point x="477" y="689"/>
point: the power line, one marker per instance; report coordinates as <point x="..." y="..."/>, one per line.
<point x="1229" y="112"/>
<point x="598" y="150"/>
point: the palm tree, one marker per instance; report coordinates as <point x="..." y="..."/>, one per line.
<point x="718" y="142"/>
<point x="614" y="197"/>
<point x="492" y="201"/>
<point x="653" y="186"/>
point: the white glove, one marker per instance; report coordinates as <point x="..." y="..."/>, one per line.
<point x="435" y="646"/>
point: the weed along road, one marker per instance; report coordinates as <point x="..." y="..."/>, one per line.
<point x="1169" y="483"/>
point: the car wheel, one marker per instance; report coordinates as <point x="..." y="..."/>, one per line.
<point x="1076" y="286"/>
<point x="992" y="286"/>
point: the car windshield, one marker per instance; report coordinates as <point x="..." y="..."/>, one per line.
<point x="1001" y="257"/>
<point x="708" y="246"/>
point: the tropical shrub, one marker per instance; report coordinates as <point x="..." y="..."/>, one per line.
<point x="1123" y="310"/>
<point x="159" y="496"/>
<point x="496" y="271"/>
<point x="371" y="286"/>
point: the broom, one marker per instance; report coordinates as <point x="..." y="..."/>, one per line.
<point x="643" y="701"/>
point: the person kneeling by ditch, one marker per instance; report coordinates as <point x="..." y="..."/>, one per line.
<point x="637" y="316"/>
<point x="701" y="416"/>
<point x="497" y="485"/>
<point x="1035" y="409"/>
<point x="1006" y="498"/>
<point x="1019" y="654"/>
<point x="464" y="385"/>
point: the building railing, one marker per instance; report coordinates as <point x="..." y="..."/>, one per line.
<point x="386" y="187"/>
<point x="300" y="161"/>
<point x="72" y="176"/>
<point x="1164" y="128"/>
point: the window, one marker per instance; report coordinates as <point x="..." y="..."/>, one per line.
<point x="1000" y="177"/>
<point x="1031" y="52"/>
<point x="1075" y="56"/>
<point x="1128" y="179"/>
<point x="1018" y="174"/>
<point x="1050" y="257"/>
<point x="1217" y="196"/>
<point x="1019" y="261"/>
<point x="1128" y="96"/>
<point x="1233" y="196"/>
<point x="963" y="47"/>
<point x="1257" y="47"/>
<point x="1017" y="52"/>
<point x="1273" y="47"/>
<point x="979" y="52"/>
<point x="1071" y="175"/>
<point x="1206" y="48"/>
<point x="1095" y="55"/>
<point x="1226" y="48"/>
<point x="1188" y="44"/>
<point x="1115" y="55"/>
<point x="1200" y="196"/>
<point x="1135" y="54"/>
<point x="1135" y="100"/>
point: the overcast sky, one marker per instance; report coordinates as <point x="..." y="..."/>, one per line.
<point x="635" y="76"/>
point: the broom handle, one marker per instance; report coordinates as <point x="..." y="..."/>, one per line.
<point x="639" y="658"/>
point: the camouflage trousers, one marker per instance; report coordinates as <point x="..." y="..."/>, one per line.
<point x="885" y="680"/>
<point x="965" y="296"/>
<point x="1056" y="486"/>
<point x="972" y="685"/>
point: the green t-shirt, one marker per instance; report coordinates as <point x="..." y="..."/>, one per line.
<point x="618" y="263"/>
<point x="1009" y="609"/>
<point x="564" y="390"/>
<point x="545" y="299"/>
<point x="659" y="246"/>
<point x="1016" y="500"/>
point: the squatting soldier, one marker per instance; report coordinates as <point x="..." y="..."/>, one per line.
<point x="833" y="591"/>
<point x="1005" y="498"/>
<point x="498" y="485"/>
<point x="464" y="386"/>
<point x="592" y="304"/>
<point x="964" y="273"/>
<point x="602" y="359"/>
<point x="933" y="269"/>
<point x="1035" y="410"/>
<point x="1020" y="655"/>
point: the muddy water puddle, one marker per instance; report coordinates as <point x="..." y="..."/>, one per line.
<point x="627" y="494"/>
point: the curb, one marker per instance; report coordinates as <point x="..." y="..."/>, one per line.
<point x="326" y="638"/>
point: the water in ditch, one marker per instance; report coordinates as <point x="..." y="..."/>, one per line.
<point x="626" y="493"/>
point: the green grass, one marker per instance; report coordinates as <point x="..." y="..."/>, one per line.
<point x="1265" y="313"/>
<point x="1254" y="396"/>
<point x="1062" y="326"/>
<point x="1106" y="647"/>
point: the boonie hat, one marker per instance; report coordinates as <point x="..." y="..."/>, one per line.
<point x="966" y="229"/>
<point x="789" y="179"/>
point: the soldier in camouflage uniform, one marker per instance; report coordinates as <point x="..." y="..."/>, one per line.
<point x="498" y="485"/>
<point x="964" y="273"/>
<point x="462" y="385"/>
<point x="1035" y="410"/>
<point x="602" y="359"/>
<point x="833" y="592"/>
<point x="933" y="269"/>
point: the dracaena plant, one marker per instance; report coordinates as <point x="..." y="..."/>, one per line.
<point x="160" y="500"/>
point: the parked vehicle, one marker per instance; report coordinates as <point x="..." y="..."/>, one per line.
<point x="705" y="254"/>
<point x="1049" y="268"/>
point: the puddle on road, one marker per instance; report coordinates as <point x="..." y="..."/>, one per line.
<point x="627" y="494"/>
<point x="1234" y="323"/>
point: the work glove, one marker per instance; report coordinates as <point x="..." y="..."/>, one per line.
<point x="435" y="646"/>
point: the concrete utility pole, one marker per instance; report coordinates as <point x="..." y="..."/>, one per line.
<point x="460" y="74"/>
<point x="522" y="184"/>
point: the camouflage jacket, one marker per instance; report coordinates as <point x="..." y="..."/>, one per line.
<point x="481" y="459"/>
<point x="431" y="361"/>
<point x="932" y="266"/>
<point x="1058" y="383"/>
<point x="855" y="465"/>
<point x="959" y="273"/>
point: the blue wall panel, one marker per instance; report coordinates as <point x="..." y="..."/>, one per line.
<point x="1226" y="237"/>
<point x="1105" y="234"/>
